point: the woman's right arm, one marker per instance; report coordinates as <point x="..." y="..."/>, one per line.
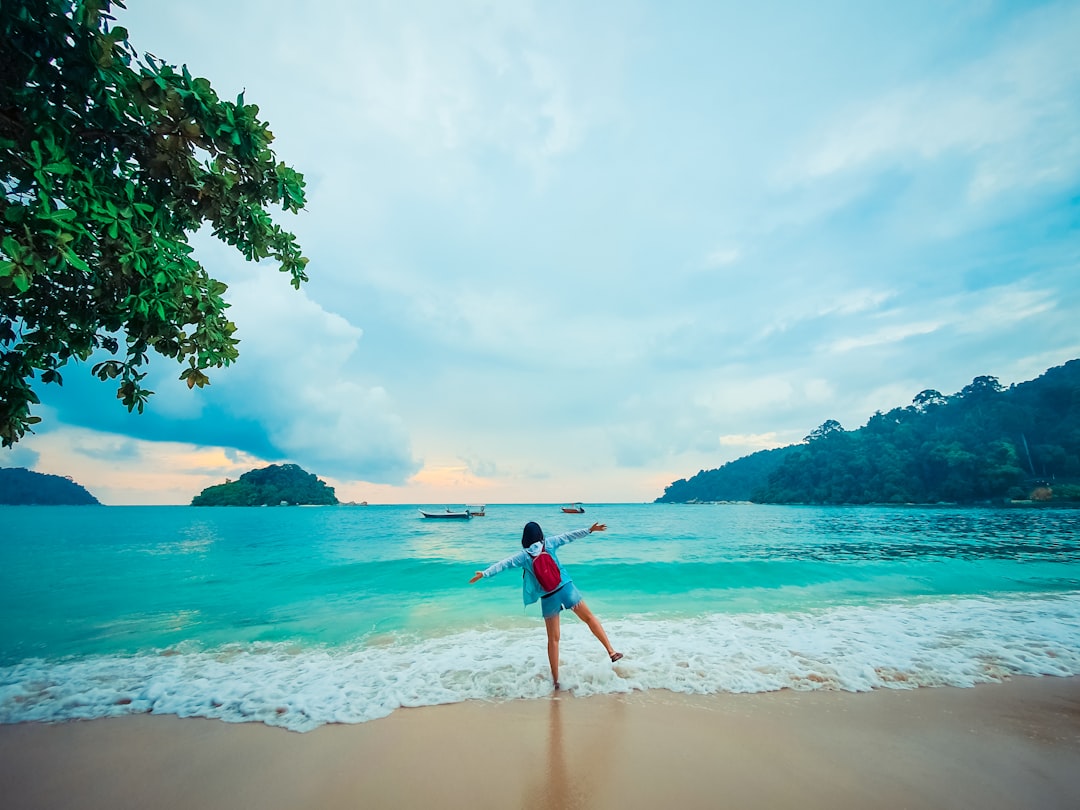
<point x="513" y="561"/>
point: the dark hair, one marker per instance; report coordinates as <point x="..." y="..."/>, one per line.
<point x="531" y="534"/>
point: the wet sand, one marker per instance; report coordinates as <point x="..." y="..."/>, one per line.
<point x="1009" y="745"/>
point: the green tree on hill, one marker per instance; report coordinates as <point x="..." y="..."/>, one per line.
<point x="984" y="443"/>
<point x="108" y="162"/>
<point x="735" y="481"/>
<point x="22" y="487"/>
<point x="269" y="486"/>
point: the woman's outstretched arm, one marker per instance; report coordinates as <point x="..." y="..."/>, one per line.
<point x="513" y="561"/>
<point x="569" y="537"/>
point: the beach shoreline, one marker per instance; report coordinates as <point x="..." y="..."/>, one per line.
<point x="1001" y="745"/>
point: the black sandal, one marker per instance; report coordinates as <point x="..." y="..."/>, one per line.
<point x="615" y="657"/>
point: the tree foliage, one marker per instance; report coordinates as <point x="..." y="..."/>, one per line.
<point x="984" y="443"/>
<point x="735" y="481"/>
<point x="19" y="486"/>
<point x="108" y="161"/>
<point x="269" y="486"/>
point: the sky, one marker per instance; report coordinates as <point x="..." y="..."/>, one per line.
<point x="566" y="251"/>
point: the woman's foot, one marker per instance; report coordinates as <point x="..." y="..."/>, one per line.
<point x="615" y="657"/>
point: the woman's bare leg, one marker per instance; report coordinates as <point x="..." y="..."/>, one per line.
<point x="552" y="625"/>
<point x="587" y="616"/>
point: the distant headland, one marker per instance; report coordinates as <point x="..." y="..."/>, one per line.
<point x="983" y="444"/>
<point x="22" y="487"/>
<point x="276" y="485"/>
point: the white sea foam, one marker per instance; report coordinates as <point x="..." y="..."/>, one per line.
<point x="857" y="648"/>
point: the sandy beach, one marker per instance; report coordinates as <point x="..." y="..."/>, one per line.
<point x="1009" y="745"/>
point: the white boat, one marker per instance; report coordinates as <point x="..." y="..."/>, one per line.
<point x="449" y="514"/>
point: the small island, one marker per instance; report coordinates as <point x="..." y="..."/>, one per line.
<point x="22" y="487"/>
<point x="276" y="485"/>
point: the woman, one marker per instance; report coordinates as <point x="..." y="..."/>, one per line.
<point x="563" y="595"/>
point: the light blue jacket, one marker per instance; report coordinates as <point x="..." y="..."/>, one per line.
<point x="530" y="588"/>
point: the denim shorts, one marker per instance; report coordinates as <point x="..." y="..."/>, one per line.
<point x="566" y="597"/>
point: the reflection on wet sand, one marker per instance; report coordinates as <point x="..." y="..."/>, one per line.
<point x="578" y="771"/>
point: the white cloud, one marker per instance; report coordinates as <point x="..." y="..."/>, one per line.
<point x="816" y="390"/>
<point x="294" y="378"/>
<point x="883" y="336"/>
<point x="979" y="311"/>
<point x="731" y="393"/>
<point x="761" y="441"/>
<point x="997" y="308"/>
<point x="452" y="78"/>
<point x="722" y="257"/>
<point x="1009" y="112"/>
<point x="855" y="301"/>
<point x="19" y="456"/>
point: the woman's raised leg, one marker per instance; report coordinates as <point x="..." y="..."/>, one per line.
<point x="587" y="616"/>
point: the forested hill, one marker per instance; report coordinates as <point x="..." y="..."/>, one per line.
<point x="983" y="443"/>
<point x="284" y="484"/>
<point x="737" y="480"/>
<point x="19" y="487"/>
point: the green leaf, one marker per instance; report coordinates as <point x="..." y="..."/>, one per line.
<point x="75" y="261"/>
<point x="15" y="213"/>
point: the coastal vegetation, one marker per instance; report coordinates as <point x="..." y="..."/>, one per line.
<point x="735" y="481"/>
<point x="108" y="162"/>
<point x="278" y="484"/>
<point x="22" y="487"/>
<point x="983" y="443"/>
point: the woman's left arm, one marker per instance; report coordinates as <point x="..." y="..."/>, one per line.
<point x="577" y="534"/>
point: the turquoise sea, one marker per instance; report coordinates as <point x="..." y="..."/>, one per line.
<point x="298" y="617"/>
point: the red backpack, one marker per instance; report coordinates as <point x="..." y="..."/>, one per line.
<point x="547" y="571"/>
